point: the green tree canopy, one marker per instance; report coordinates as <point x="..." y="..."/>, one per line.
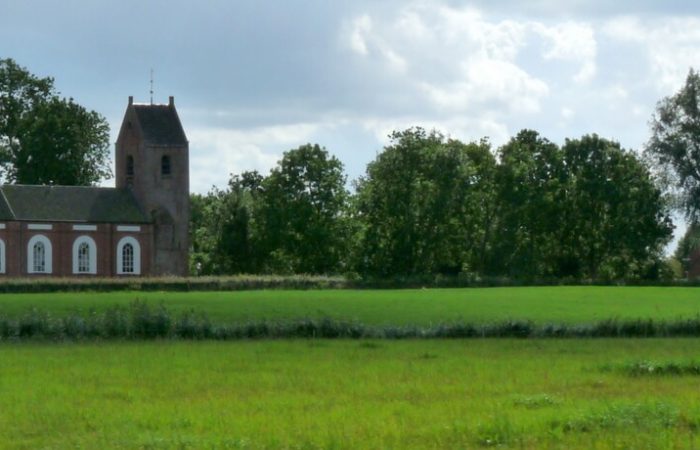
<point x="675" y="143"/>
<point x="423" y="205"/>
<point x="45" y="139"/>
<point x="302" y="216"/>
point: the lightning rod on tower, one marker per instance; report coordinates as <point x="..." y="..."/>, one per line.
<point x="151" y="86"/>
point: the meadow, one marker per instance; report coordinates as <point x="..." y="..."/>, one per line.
<point x="368" y="393"/>
<point x="559" y="304"/>
<point x="312" y="394"/>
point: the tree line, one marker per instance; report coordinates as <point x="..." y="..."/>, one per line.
<point x="429" y="204"/>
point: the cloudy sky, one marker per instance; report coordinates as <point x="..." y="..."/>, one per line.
<point x="252" y="79"/>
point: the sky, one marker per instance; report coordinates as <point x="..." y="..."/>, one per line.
<point x="252" y="79"/>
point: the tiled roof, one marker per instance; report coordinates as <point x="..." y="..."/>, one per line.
<point x="160" y="124"/>
<point x="69" y="204"/>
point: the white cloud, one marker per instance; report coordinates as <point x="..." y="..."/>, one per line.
<point x="573" y="42"/>
<point x="462" y="61"/>
<point x="463" y="128"/>
<point x="361" y="26"/>
<point x="672" y="45"/>
<point x="215" y="153"/>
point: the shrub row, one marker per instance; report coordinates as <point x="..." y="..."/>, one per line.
<point x="298" y="282"/>
<point x="227" y="283"/>
<point x="141" y="321"/>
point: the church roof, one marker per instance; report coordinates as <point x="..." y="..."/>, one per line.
<point x="69" y="204"/>
<point x="160" y="124"/>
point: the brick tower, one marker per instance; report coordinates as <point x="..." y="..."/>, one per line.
<point x="152" y="159"/>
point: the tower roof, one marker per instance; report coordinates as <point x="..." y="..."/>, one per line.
<point x="160" y="124"/>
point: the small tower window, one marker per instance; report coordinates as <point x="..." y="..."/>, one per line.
<point x="165" y="165"/>
<point x="129" y="166"/>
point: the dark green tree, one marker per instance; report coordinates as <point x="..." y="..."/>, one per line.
<point x="45" y="139"/>
<point x="617" y="220"/>
<point x="422" y="206"/>
<point x="688" y="246"/>
<point x="675" y="143"/>
<point x="529" y="194"/>
<point x="302" y="216"/>
<point x="224" y="236"/>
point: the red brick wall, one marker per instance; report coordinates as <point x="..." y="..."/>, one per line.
<point x="16" y="236"/>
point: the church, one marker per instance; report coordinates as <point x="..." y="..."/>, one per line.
<point x="138" y="228"/>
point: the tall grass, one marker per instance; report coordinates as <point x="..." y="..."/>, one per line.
<point x="143" y="321"/>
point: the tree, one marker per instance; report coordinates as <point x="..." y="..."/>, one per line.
<point x="675" y="143"/>
<point x="423" y="204"/>
<point x="586" y="210"/>
<point x="617" y="219"/>
<point x="224" y="236"/>
<point x="302" y="215"/>
<point x="529" y="181"/>
<point x="45" y="139"/>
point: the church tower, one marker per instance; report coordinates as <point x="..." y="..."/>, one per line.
<point x="152" y="160"/>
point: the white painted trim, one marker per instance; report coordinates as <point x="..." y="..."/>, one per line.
<point x="130" y="228"/>
<point x="2" y="257"/>
<point x="2" y="226"/>
<point x="92" y="254"/>
<point x="137" y="255"/>
<point x="48" y="254"/>
<point x="84" y="227"/>
<point x="40" y="226"/>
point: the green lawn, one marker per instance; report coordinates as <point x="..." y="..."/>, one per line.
<point x="347" y="394"/>
<point x="420" y="306"/>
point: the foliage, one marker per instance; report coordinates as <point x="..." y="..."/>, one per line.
<point x="45" y="139"/>
<point x="225" y="239"/>
<point x="302" y="217"/>
<point x="675" y="143"/>
<point x="586" y="210"/>
<point x="529" y="207"/>
<point x="687" y="246"/>
<point x="431" y="207"/>
<point x="423" y="205"/>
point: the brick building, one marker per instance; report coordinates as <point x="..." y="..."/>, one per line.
<point x="138" y="228"/>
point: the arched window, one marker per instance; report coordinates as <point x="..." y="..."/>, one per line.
<point x="84" y="255"/>
<point x="129" y="166"/>
<point x="39" y="254"/>
<point x="128" y="256"/>
<point x="2" y="256"/>
<point x="165" y="165"/>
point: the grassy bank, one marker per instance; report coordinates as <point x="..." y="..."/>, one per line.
<point x="348" y="394"/>
<point x="561" y="304"/>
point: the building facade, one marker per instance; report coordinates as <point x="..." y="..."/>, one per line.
<point x="138" y="228"/>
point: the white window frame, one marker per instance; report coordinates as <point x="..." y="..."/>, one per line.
<point x="120" y="255"/>
<point x="48" y="254"/>
<point x="92" y="255"/>
<point x="3" y="268"/>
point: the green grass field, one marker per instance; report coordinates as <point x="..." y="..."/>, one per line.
<point x="421" y="306"/>
<point x="347" y="394"/>
<point x="336" y="394"/>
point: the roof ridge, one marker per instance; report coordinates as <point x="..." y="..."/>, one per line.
<point x="51" y="186"/>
